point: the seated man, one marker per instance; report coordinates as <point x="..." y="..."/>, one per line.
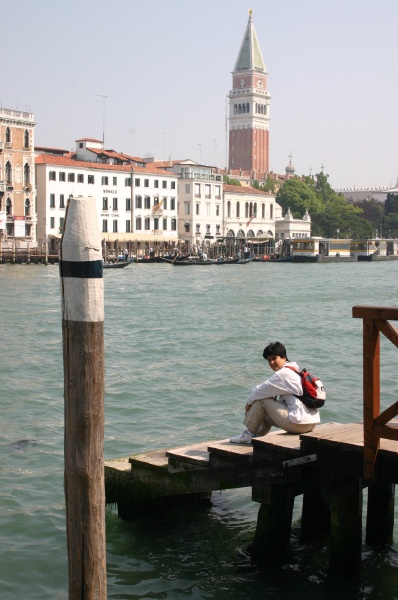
<point x="274" y="402"/>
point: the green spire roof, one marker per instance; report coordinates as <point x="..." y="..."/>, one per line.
<point x="250" y="56"/>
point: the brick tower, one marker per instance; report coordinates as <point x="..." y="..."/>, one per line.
<point x="249" y="103"/>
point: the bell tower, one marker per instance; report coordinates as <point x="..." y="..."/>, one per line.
<point x="249" y="104"/>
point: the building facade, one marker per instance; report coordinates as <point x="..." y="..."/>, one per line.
<point x="287" y="227"/>
<point x="17" y="179"/>
<point x="249" y="213"/>
<point x="249" y="109"/>
<point x="135" y="203"/>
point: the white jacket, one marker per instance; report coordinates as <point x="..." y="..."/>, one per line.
<point x="284" y="384"/>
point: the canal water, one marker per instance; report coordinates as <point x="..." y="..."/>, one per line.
<point x="183" y="349"/>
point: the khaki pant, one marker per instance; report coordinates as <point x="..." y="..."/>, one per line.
<point x="264" y="414"/>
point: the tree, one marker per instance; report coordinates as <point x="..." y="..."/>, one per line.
<point x="299" y="197"/>
<point x="391" y="204"/>
<point x="230" y="181"/>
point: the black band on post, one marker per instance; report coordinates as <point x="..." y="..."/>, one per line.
<point x="89" y="269"/>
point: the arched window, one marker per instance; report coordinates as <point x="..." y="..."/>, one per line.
<point x="138" y="223"/>
<point x="240" y="234"/>
<point x="271" y="211"/>
<point x="238" y="210"/>
<point x="247" y="107"/>
<point x="8" y="207"/>
<point x="8" y="171"/>
<point x="26" y="174"/>
<point x="246" y="209"/>
<point x="228" y="208"/>
<point x="26" y="139"/>
<point x="8" y="135"/>
<point x="235" y="109"/>
<point x="27" y="207"/>
<point x="263" y="210"/>
<point x="230" y="233"/>
<point x="250" y="233"/>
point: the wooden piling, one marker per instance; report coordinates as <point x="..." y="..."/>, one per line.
<point x="380" y="513"/>
<point x="83" y="352"/>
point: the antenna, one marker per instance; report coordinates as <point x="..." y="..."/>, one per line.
<point x="103" y="118"/>
<point x="215" y="152"/>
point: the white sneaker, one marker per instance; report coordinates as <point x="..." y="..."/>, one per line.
<point x="243" y="438"/>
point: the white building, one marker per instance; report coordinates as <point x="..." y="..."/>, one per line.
<point x="288" y="227"/>
<point x="136" y="203"/>
<point x="249" y="213"/>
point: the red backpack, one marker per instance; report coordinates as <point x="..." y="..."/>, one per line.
<point x="314" y="394"/>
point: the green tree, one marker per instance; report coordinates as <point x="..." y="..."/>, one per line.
<point x="230" y="181"/>
<point x="391" y="204"/>
<point x="299" y="197"/>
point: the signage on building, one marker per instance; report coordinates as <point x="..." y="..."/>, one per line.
<point x="19" y="226"/>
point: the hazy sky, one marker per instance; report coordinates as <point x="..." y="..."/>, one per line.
<point x="165" y="67"/>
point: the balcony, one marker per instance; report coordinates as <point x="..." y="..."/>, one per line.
<point x="8" y="145"/>
<point x="9" y="185"/>
<point x="28" y="187"/>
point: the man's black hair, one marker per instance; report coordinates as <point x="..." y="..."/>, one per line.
<point x="274" y="349"/>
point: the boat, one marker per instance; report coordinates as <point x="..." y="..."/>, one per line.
<point x="116" y="265"/>
<point x="202" y="263"/>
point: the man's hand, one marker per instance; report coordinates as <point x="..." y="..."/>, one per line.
<point x="248" y="407"/>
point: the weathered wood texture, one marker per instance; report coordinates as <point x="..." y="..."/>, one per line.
<point x="375" y="320"/>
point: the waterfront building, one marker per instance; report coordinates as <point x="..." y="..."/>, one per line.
<point x="375" y="192"/>
<point x="249" y="109"/>
<point x="249" y="213"/>
<point x="17" y="179"/>
<point x="288" y="227"/>
<point x="136" y="203"/>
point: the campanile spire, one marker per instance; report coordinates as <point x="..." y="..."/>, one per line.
<point x="249" y="103"/>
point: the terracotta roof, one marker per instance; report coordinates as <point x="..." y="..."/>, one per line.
<point x="67" y="161"/>
<point x="244" y="189"/>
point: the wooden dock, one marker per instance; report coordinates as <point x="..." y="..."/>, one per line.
<point x="325" y="466"/>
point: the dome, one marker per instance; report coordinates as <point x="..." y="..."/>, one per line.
<point x="290" y="169"/>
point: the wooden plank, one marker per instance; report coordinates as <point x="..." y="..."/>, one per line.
<point x="157" y="459"/>
<point x="195" y="454"/>
<point x="389" y="331"/>
<point x="226" y="450"/>
<point x="327" y="430"/>
<point x="279" y="441"/>
<point x="389" y="432"/>
<point x="384" y="313"/>
<point x="119" y="464"/>
<point x="387" y="415"/>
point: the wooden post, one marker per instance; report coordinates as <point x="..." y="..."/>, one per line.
<point x="346" y="529"/>
<point x="371" y="393"/>
<point x="274" y="521"/>
<point x="83" y="350"/>
<point x="380" y="514"/>
<point x="315" y="515"/>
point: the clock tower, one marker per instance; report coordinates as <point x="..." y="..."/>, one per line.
<point x="249" y="103"/>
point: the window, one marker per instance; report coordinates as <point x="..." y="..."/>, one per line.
<point x="104" y="180"/>
<point x="197" y="208"/>
<point x="27" y="207"/>
<point x="104" y="203"/>
<point x="26" y="139"/>
<point x="165" y="203"/>
<point x="228" y="208"/>
<point x="81" y="145"/>
<point x="173" y="224"/>
<point x="217" y="210"/>
<point x="187" y="188"/>
<point x="164" y="184"/>
<point x="156" y="223"/>
<point x="127" y="182"/>
<point x="128" y="203"/>
<point x="61" y="224"/>
<point x="187" y="227"/>
<point x="207" y="191"/>
<point x="146" y="182"/>
<point x="114" y="204"/>
<point x="61" y="176"/>
<point x="207" y="229"/>
<point x="164" y="224"/>
<point x="197" y="228"/>
<point x="80" y="178"/>
<point x="217" y="229"/>
<point x="173" y="185"/>
<point x="114" y="180"/>
<point x="26" y="175"/>
<point x="51" y="176"/>
<point x="147" y="202"/>
<point x="271" y="211"/>
<point x="138" y="201"/>
<point x="186" y="208"/>
<point x="8" y="207"/>
<point x="8" y="172"/>
<point x="138" y="224"/>
<point x="52" y="200"/>
<point x="172" y="203"/>
<point x="218" y="191"/>
<point x="147" y="223"/>
<point x="156" y="183"/>
<point x="128" y="226"/>
<point x="71" y="177"/>
<point x="61" y="201"/>
<point x="104" y="226"/>
<point x="263" y="210"/>
<point x="90" y="179"/>
<point x="137" y="182"/>
<point x="238" y="210"/>
<point x="8" y="135"/>
<point x="197" y="190"/>
<point x="115" y="226"/>
<point x="208" y="209"/>
<point x="52" y="222"/>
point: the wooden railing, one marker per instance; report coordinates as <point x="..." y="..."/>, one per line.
<point x="376" y="425"/>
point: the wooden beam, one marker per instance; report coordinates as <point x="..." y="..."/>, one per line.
<point x="389" y="331"/>
<point x="387" y="415"/>
<point x="379" y="313"/>
<point x="371" y="392"/>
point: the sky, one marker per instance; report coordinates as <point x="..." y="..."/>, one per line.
<point x="152" y="77"/>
